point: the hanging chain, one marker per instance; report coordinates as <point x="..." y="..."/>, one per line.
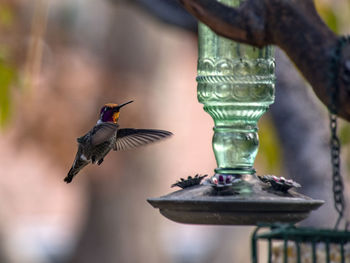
<point x="338" y="186"/>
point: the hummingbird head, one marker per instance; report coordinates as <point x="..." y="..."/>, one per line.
<point x="110" y="112"/>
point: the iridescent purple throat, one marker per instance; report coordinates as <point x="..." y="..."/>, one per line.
<point x="107" y="116"/>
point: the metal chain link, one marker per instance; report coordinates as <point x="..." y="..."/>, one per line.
<point x="338" y="186"/>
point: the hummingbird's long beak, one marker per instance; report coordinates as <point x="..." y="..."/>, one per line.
<point x="122" y="105"/>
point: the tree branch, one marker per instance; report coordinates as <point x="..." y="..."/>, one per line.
<point x="294" y="26"/>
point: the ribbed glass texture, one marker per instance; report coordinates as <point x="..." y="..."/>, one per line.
<point x="236" y="86"/>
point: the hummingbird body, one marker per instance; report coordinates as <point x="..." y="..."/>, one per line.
<point x="105" y="136"/>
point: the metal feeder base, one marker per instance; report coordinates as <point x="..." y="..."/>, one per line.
<point x="202" y="204"/>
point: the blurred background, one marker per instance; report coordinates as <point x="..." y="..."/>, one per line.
<point x="60" y="61"/>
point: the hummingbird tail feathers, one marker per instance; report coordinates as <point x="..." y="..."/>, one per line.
<point x="72" y="172"/>
<point x="77" y="166"/>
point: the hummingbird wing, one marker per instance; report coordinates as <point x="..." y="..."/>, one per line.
<point x="103" y="132"/>
<point x="131" y="138"/>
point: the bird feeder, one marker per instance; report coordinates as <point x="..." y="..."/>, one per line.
<point x="301" y="244"/>
<point x="236" y="85"/>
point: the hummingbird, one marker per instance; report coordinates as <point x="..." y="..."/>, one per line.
<point x="106" y="135"/>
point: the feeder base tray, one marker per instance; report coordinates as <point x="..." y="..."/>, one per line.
<point x="201" y="204"/>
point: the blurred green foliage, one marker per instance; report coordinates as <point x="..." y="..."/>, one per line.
<point x="328" y="15"/>
<point x="6" y="16"/>
<point x="344" y="136"/>
<point x="336" y="14"/>
<point x="269" y="146"/>
<point x="7" y="72"/>
<point x="7" y="78"/>
<point x="344" y="133"/>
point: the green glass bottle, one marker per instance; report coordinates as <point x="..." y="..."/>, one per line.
<point x="236" y="86"/>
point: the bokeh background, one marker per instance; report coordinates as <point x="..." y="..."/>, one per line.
<point x="60" y="61"/>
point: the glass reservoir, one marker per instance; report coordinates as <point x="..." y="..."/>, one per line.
<point x="236" y="86"/>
